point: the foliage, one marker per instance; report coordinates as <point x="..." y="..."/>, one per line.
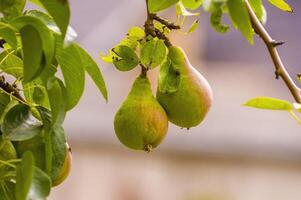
<point x="36" y="46"/>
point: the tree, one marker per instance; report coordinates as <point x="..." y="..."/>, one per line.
<point x="34" y="154"/>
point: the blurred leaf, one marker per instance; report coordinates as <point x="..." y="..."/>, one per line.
<point x="73" y="71"/>
<point x="193" y="26"/>
<point x="32" y="50"/>
<point x="19" y="124"/>
<point x="153" y="53"/>
<point x="12" y="8"/>
<point x="259" y="10"/>
<point x="8" y="33"/>
<point x="60" y="11"/>
<point x="216" y="19"/>
<point x="7" y="190"/>
<point x="25" y="173"/>
<point x="4" y="101"/>
<point x="31" y="183"/>
<point x="192" y="4"/>
<point x="40" y="186"/>
<point x="7" y="152"/>
<point x="181" y="10"/>
<point x="57" y="99"/>
<point x="269" y="103"/>
<point x="36" y="93"/>
<point x="297" y="106"/>
<point x="11" y="64"/>
<point x="94" y="72"/>
<point x="125" y="58"/>
<point x="59" y="151"/>
<point x="159" y="5"/>
<point x="239" y="15"/>
<point x="281" y="4"/>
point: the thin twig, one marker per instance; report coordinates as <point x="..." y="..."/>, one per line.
<point x="150" y="29"/>
<point x="165" y="22"/>
<point x="11" y="90"/>
<point x="272" y="47"/>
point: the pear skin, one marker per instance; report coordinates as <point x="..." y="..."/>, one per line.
<point x="189" y="104"/>
<point x="141" y="123"/>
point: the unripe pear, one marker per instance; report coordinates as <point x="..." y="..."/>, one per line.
<point x="141" y="123"/>
<point x="189" y="104"/>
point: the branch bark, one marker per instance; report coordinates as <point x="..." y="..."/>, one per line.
<point x="272" y="48"/>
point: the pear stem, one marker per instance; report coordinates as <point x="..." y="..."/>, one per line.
<point x="272" y="45"/>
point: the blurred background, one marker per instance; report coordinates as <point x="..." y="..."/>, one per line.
<point x="237" y="153"/>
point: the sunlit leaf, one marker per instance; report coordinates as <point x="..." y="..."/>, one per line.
<point x="281" y="4"/>
<point x="239" y="15"/>
<point x="159" y="5"/>
<point x="269" y="103"/>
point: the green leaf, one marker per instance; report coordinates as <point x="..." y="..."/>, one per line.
<point x="12" y="8"/>
<point x="153" y="53"/>
<point x="94" y="72"/>
<point x="60" y="11"/>
<point x="269" y="103"/>
<point x="125" y="58"/>
<point x="193" y="26"/>
<point x="192" y="4"/>
<point x="46" y="36"/>
<point x="7" y="190"/>
<point x="281" y="4"/>
<point x="216" y="19"/>
<point x="136" y="32"/>
<point x="239" y="15"/>
<point x="74" y="73"/>
<point x="36" y="93"/>
<point x="159" y="5"/>
<point x="4" y="101"/>
<point x="19" y="124"/>
<point x="11" y="64"/>
<point x="169" y="78"/>
<point x="8" y="33"/>
<point x="40" y="186"/>
<point x="59" y="151"/>
<point x="71" y="35"/>
<point x="32" y="182"/>
<point x="259" y="10"/>
<point x="57" y="98"/>
<point x="32" y="50"/>
<point x="7" y="152"/>
<point x="25" y="172"/>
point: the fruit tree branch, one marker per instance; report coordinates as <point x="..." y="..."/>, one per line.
<point x="150" y="29"/>
<point x="11" y="90"/>
<point x="272" y="47"/>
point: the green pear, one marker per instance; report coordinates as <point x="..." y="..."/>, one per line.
<point x="189" y="103"/>
<point x="141" y="123"/>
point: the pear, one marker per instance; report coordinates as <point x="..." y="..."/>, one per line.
<point x="141" y="123"/>
<point x="188" y="105"/>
